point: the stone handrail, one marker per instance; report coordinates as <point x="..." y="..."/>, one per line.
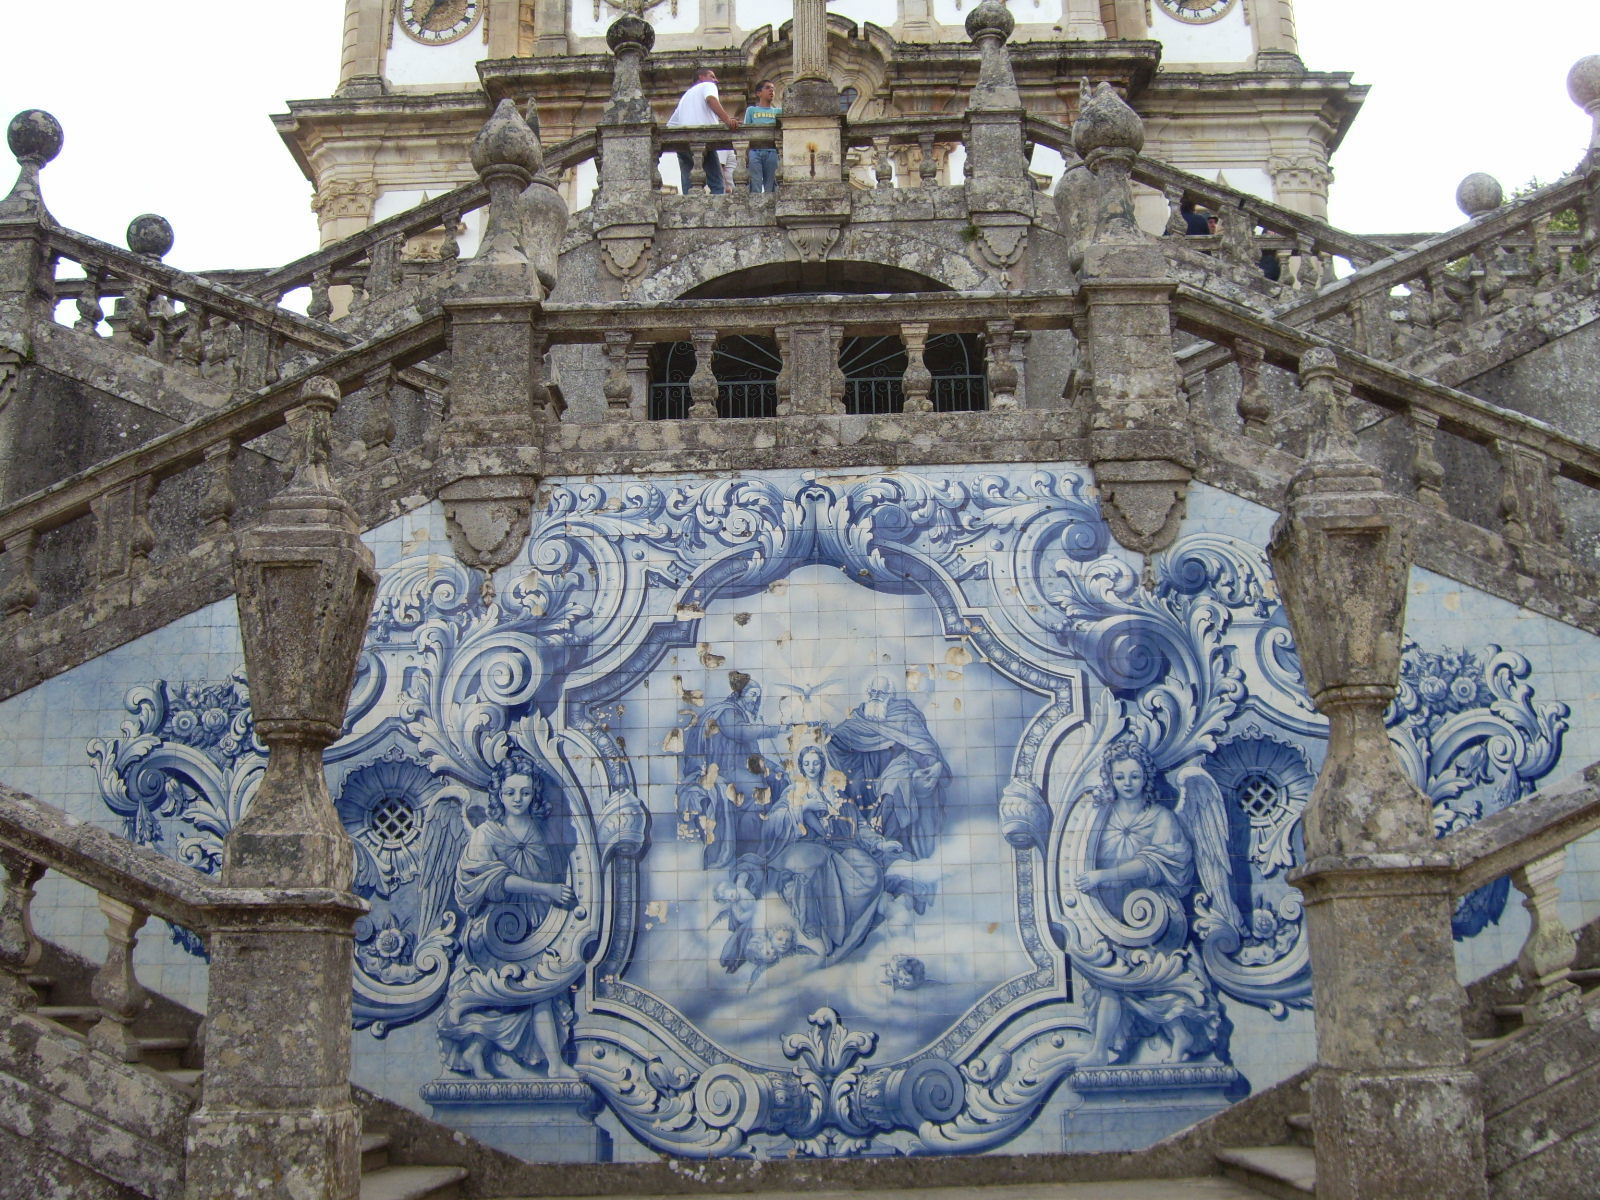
<point x="348" y="255"/>
<point x="1522" y="833"/>
<point x="1528" y="840"/>
<point x="133" y="883"/>
<point x="1423" y="265"/>
<point x="1318" y="236"/>
<point x="116" y="493"/>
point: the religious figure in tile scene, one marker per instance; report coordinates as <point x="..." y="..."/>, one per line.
<point x="827" y="868"/>
<point x="1148" y="859"/>
<point x="728" y="781"/>
<point x="511" y="884"/>
<point x="897" y="771"/>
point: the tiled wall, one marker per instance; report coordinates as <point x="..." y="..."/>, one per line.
<point x="828" y="851"/>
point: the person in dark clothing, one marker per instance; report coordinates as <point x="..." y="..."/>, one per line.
<point x="1196" y="224"/>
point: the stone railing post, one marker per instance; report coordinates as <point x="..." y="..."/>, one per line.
<point x="703" y="384"/>
<point x="116" y="988"/>
<point x="918" y="380"/>
<point x="1000" y="197"/>
<point x="1137" y="416"/>
<point x="813" y="200"/>
<point x="810" y="379"/>
<point x="27" y="281"/>
<point x="1545" y="962"/>
<point x="1379" y="895"/>
<point x="19" y="948"/>
<point x="277" y="1119"/>
<point x="491" y="445"/>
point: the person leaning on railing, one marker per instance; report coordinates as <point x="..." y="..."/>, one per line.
<point x="700" y="106"/>
<point x="763" y="159"/>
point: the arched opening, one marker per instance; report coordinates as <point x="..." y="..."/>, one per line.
<point x="746" y="367"/>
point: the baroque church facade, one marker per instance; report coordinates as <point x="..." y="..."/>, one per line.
<point x="957" y="670"/>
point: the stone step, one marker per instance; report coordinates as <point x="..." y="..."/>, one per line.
<point x="374" y="1151"/>
<point x="1210" y="1187"/>
<point x="412" y="1183"/>
<point x="1300" y="1131"/>
<point x="162" y="1053"/>
<point x="187" y="1078"/>
<point x="79" y="1018"/>
<point x="1287" y="1172"/>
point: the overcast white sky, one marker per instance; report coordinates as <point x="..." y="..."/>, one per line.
<point x="166" y="109"/>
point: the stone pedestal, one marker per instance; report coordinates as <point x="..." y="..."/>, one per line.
<point x="1130" y="1107"/>
<point x="541" y="1120"/>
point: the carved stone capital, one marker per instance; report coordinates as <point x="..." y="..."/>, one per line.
<point x="345" y="198"/>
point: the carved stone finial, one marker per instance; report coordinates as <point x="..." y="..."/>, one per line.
<point x="34" y="136"/>
<point x="1106" y="123"/>
<point x="150" y="235"/>
<point x="1479" y="193"/>
<point x="630" y="31"/>
<point x="991" y="17"/>
<point x="506" y="143"/>
<point x="313" y="425"/>
<point x="630" y="39"/>
<point x="1583" y="83"/>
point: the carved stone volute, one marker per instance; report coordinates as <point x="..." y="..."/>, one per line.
<point x="305" y="583"/>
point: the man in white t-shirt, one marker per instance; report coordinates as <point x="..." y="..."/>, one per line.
<point x="700" y="106"/>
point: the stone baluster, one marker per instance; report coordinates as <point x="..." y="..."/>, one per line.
<point x="218" y="500"/>
<point x="741" y="162"/>
<point x="18" y="591"/>
<point x="882" y="163"/>
<point x="1379" y="895"/>
<point x="618" y="382"/>
<point x="116" y="988"/>
<point x="697" y="169"/>
<point x="1545" y="961"/>
<point x="1527" y="494"/>
<point x="450" y="243"/>
<point x="703" y="384"/>
<point x="1002" y="371"/>
<point x="149" y="236"/>
<point x="837" y="384"/>
<point x="1255" y="410"/>
<point x="321" y="306"/>
<point x="304" y="583"/>
<point x="927" y="167"/>
<point x="783" y="386"/>
<point x="90" y="313"/>
<point x="1308" y="272"/>
<point x="505" y="154"/>
<point x="1369" y="318"/>
<point x="19" y="948"/>
<point x="191" y="336"/>
<point x="1426" y="469"/>
<point x="378" y="430"/>
<point x="1444" y="309"/>
<point x="123" y="536"/>
<point x="918" y="380"/>
<point x="1176" y="226"/>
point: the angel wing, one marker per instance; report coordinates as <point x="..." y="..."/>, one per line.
<point x="443" y="839"/>
<point x="1205" y="816"/>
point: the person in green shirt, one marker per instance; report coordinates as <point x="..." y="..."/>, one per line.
<point x="763" y="159"/>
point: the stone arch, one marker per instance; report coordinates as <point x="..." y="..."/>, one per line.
<point x="947" y="266"/>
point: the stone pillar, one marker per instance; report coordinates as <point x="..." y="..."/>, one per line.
<point x="1394" y="1105"/>
<point x="1583" y="85"/>
<point x="1276" y="46"/>
<point x="35" y="138"/>
<point x="277" y="1120"/>
<point x="492" y="444"/>
<point x="1132" y="19"/>
<point x="1000" y="197"/>
<point x="625" y="205"/>
<point x="811" y="131"/>
<point x="1131" y="404"/>
<point x="505" y="19"/>
<point x="1080" y="22"/>
<point x="810" y="367"/>
<point x="361" y="58"/>
<point x="550" y="28"/>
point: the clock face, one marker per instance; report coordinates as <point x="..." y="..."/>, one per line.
<point x="1197" y="12"/>
<point x="434" y="22"/>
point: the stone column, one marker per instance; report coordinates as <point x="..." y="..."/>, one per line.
<point x="1130" y="402"/>
<point x="1132" y="21"/>
<point x="361" y="58"/>
<point x="504" y="18"/>
<point x="550" y="28"/>
<point x="625" y="206"/>
<point x="35" y="138"/>
<point x="1000" y="196"/>
<point x="1081" y="21"/>
<point x="1395" y="1108"/>
<point x="1276" y="46"/>
<point x="811" y="132"/>
<point x="277" y="1120"/>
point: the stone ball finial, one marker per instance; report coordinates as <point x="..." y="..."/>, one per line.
<point x="321" y="391"/>
<point x="990" y="16"/>
<point x="34" y="136"/>
<point x="1583" y="82"/>
<point x="150" y="235"/>
<point x="1479" y="193"/>
<point x="629" y="30"/>
<point x="506" y="140"/>
<point x="1105" y="122"/>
